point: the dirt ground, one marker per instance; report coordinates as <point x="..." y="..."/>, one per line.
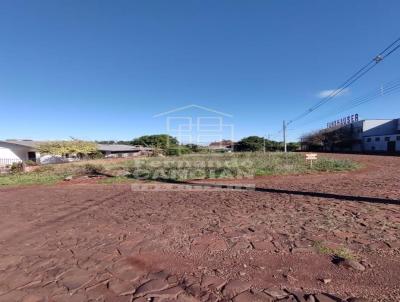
<point x="96" y="242"/>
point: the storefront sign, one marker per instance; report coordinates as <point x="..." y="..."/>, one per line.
<point x="343" y="121"/>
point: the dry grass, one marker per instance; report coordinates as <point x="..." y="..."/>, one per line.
<point x="197" y="166"/>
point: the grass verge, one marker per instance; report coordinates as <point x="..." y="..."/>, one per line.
<point x="186" y="167"/>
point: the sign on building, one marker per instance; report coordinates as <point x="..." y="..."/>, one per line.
<point x="343" y="121"/>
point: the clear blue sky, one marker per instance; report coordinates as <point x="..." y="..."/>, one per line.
<point x="102" y="69"/>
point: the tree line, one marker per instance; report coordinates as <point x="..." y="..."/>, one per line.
<point x="170" y="145"/>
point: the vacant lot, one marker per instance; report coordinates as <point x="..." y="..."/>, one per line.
<point x="286" y="240"/>
<point x="195" y="166"/>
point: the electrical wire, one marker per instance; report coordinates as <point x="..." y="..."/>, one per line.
<point x="391" y="48"/>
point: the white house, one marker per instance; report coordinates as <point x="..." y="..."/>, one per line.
<point x="12" y="151"/>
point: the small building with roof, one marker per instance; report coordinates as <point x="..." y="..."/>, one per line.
<point x="13" y="150"/>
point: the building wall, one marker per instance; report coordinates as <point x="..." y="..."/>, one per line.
<point x="379" y="127"/>
<point x="371" y="136"/>
<point x="13" y="152"/>
<point x="379" y="143"/>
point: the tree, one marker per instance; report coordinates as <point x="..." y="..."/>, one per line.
<point x="251" y="143"/>
<point x="63" y="148"/>
<point x="162" y="141"/>
<point x="293" y="146"/>
<point x="313" y="140"/>
<point x="196" y="148"/>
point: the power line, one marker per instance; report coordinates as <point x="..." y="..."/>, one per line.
<point x="386" y="89"/>
<point x="357" y="75"/>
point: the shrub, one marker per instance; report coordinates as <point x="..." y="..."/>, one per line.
<point x="91" y="169"/>
<point x="179" y="150"/>
<point x="31" y="163"/>
<point x="17" y="168"/>
<point x="96" y="155"/>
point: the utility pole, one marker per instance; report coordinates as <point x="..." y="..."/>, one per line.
<point x="284" y="136"/>
<point x="264" y="143"/>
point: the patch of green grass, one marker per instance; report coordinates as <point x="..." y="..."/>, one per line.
<point x="334" y="252"/>
<point x="186" y="167"/>
<point x="234" y="165"/>
<point x="328" y="164"/>
<point x="117" y="180"/>
<point x="29" y="179"/>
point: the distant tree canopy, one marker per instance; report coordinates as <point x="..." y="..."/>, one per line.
<point x="161" y="141"/>
<point x="196" y="148"/>
<point x="257" y="143"/>
<point x="293" y="146"/>
<point x="62" y="148"/>
<point x="251" y="143"/>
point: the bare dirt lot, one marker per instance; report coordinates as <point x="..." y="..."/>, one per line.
<point x="92" y="242"/>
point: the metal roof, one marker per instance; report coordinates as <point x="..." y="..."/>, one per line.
<point x="23" y="142"/>
<point x="121" y="148"/>
<point x="102" y="147"/>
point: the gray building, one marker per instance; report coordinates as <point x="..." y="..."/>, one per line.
<point x="372" y="135"/>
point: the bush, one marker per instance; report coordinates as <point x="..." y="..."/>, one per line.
<point x="45" y="169"/>
<point x="31" y="163"/>
<point x="91" y="169"/>
<point x="179" y="150"/>
<point x="96" y="155"/>
<point x="17" y="168"/>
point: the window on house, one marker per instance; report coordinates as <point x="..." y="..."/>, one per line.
<point x="377" y="139"/>
<point x="398" y="137"/>
<point x="387" y="138"/>
<point x="368" y="140"/>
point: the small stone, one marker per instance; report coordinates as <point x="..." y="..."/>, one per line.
<point x="194" y="290"/>
<point x="276" y="292"/>
<point x="235" y="287"/>
<point x="151" y="286"/>
<point x="300" y="296"/>
<point x="121" y="287"/>
<point x="241" y="245"/>
<point x="350" y="263"/>
<point x="75" y="278"/>
<point x="124" y="271"/>
<point x="247" y="296"/>
<point x="169" y="293"/>
<point x="68" y="178"/>
<point x="212" y="282"/>
<point x="263" y="245"/>
<point x="310" y="298"/>
<point x="326" y="281"/>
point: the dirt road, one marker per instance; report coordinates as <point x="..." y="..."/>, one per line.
<point x="91" y="242"/>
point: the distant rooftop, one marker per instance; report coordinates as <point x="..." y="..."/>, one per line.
<point x="102" y="147"/>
